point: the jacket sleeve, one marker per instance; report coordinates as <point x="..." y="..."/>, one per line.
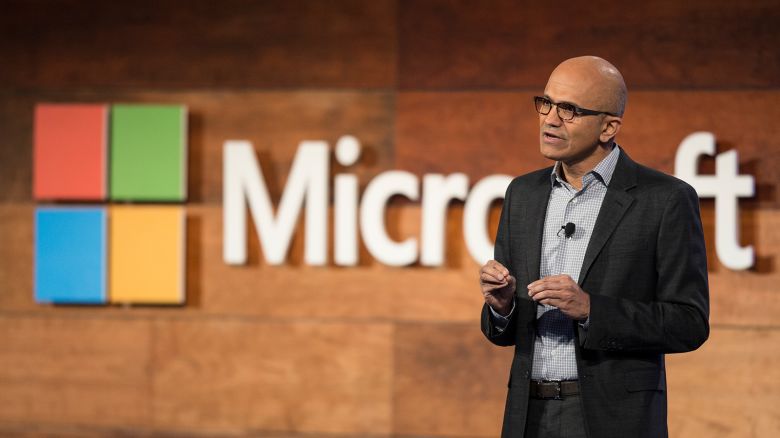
<point x="677" y="319"/>
<point x="501" y="253"/>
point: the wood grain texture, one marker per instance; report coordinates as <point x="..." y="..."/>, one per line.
<point x="73" y="370"/>
<point x="729" y="388"/>
<point x="218" y="376"/>
<point x="16" y="256"/>
<point x="367" y="292"/>
<point x="736" y="295"/>
<point x="449" y="381"/>
<point x="508" y="44"/>
<point x="16" y="148"/>
<point x="475" y="133"/>
<point x="427" y="86"/>
<point x="275" y="122"/>
<point x="229" y="376"/>
<point x="241" y="377"/>
<point x="370" y="291"/>
<point x="38" y="430"/>
<point x="185" y="44"/>
<point x="481" y="133"/>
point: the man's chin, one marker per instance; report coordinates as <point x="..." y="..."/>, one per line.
<point x="551" y="153"/>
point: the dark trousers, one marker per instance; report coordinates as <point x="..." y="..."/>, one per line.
<point x="555" y="418"/>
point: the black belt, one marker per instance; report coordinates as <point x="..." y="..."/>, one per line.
<point x="554" y="389"/>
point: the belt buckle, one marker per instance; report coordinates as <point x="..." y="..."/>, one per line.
<point x="557" y="391"/>
<point x="557" y="387"/>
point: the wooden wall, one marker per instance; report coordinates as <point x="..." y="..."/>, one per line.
<point x="427" y="86"/>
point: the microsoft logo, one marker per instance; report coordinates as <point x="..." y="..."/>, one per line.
<point x="110" y="182"/>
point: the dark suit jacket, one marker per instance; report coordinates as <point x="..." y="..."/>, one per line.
<point x="645" y="269"/>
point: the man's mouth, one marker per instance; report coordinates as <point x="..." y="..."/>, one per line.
<point x="550" y="136"/>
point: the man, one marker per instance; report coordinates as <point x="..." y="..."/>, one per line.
<point x="599" y="270"/>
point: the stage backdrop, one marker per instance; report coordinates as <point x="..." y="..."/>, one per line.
<point x="426" y="87"/>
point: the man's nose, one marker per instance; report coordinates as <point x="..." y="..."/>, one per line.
<point x="552" y="118"/>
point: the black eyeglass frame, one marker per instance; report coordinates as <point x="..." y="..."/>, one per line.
<point x="576" y="110"/>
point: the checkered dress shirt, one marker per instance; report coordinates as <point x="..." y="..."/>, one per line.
<point x="554" y="357"/>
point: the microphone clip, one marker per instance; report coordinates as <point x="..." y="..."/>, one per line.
<point x="568" y="230"/>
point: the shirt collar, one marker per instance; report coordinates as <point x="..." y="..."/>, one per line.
<point x="603" y="171"/>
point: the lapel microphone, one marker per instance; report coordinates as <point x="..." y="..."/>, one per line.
<point x="568" y="229"/>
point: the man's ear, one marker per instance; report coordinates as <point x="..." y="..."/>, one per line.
<point x="610" y="128"/>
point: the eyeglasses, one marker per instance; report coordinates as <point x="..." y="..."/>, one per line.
<point x="566" y="111"/>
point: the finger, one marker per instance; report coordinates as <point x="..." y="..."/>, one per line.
<point x="499" y="273"/>
<point x="509" y="283"/>
<point x="492" y="288"/>
<point x="551" y="302"/>
<point x="491" y="277"/>
<point x="556" y="282"/>
<point x="494" y="262"/>
<point x="542" y="282"/>
<point x="547" y="294"/>
<point x="542" y="287"/>
<point x="559" y="278"/>
<point x="561" y="281"/>
<point x="498" y="267"/>
<point x="492" y="282"/>
<point x="486" y="269"/>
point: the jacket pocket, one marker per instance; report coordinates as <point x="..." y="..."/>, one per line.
<point x="645" y="380"/>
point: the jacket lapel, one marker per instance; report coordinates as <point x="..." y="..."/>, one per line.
<point x="534" y="229"/>
<point x="616" y="203"/>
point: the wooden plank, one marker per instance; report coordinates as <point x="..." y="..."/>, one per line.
<point x="447" y="44"/>
<point x="16" y="256"/>
<point x="35" y="430"/>
<point x="16" y="148"/>
<point x="481" y="133"/>
<point x="474" y="133"/>
<point x="233" y="376"/>
<point x="229" y="376"/>
<point x="477" y="133"/>
<point x="449" y="381"/>
<point x="736" y="295"/>
<point x="728" y="388"/>
<point x="372" y="291"/>
<point x="364" y="292"/>
<point x="276" y="123"/>
<point x="74" y="370"/>
<point x="346" y="43"/>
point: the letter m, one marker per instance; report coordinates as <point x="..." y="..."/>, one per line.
<point x="307" y="182"/>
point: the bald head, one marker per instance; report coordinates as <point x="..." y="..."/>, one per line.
<point x="598" y="83"/>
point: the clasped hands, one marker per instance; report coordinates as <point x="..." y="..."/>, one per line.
<point x="560" y="291"/>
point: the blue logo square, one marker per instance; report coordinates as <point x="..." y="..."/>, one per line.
<point x="70" y="255"/>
